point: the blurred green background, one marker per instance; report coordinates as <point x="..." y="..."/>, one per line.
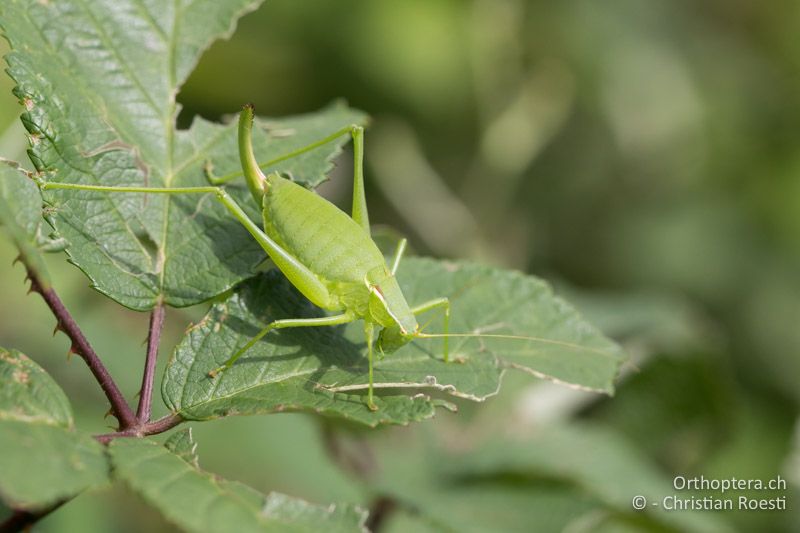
<point x="642" y="156"/>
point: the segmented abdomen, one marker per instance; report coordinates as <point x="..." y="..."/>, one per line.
<point x="319" y="234"/>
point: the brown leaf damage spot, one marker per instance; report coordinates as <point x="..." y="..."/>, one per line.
<point x="11" y="358"/>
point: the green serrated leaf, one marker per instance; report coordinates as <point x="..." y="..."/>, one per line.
<point x="42" y="464"/>
<point x="324" y="370"/>
<point x="561" y="345"/>
<point x="29" y="394"/>
<point x="197" y="501"/>
<point x="42" y="461"/>
<point x="99" y="87"/>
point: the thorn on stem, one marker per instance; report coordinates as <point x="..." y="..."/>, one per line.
<point x="61" y="327"/>
<point x="73" y="349"/>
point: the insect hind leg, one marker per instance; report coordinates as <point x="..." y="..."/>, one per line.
<point x="212" y="178"/>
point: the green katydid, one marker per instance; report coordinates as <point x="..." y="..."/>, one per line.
<point x="327" y="255"/>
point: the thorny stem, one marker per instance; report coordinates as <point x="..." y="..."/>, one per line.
<point x="153" y="338"/>
<point x="151" y="428"/>
<point x="81" y="346"/>
<point x="130" y="425"/>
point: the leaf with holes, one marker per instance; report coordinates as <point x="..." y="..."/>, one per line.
<point x="98" y="80"/>
<point x="324" y="370"/>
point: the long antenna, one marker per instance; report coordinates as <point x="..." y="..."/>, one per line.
<point x="514" y="337"/>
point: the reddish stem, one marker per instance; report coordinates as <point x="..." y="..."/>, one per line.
<point x="81" y="346"/>
<point x="153" y="338"/>
<point x="152" y="428"/>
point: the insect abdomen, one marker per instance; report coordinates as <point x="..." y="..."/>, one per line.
<point x="316" y="232"/>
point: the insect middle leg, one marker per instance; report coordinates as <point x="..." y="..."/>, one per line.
<point x="280" y="324"/>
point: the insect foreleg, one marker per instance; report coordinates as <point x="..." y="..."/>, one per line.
<point x="280" y="324"/>
<point x="438" y="303"/>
